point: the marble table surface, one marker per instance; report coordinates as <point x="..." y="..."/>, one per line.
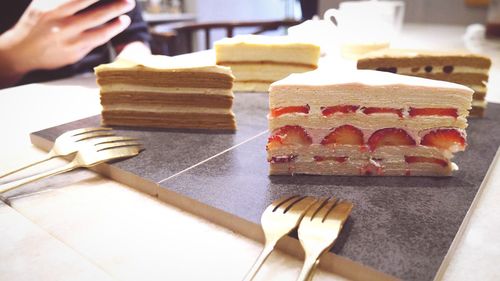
<point x="81" y="226"/>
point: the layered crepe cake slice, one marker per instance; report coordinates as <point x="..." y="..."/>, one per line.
<point x="365" y="122"/>
<point x="166" y="92"/>
<point x="257" y="60"/>
<point x="468" y="69"/>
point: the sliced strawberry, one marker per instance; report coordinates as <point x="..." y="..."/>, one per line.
<point x="375" y="110"/>
<point x="433" y="112"/>
<point x="446" y="139"/>
<point x="289" y="135"/>
<point x="418" y="159"/>
<point x="274" y="142"/>
<point x="340" y="159"/>
<point x="283" y="159"/>
<point x="278" y="111"/>
<point x="345" y="134"/>
<point x="389" y="137"/>
<point x="330" y="110"/>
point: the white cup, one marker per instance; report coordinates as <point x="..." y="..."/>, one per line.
<point x="364" y="26"/>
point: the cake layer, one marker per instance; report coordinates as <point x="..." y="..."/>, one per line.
<point x="366" y="122"/>
<point x="435" y="69"/>
<point x="365" y="168"/>
<point x="355" y="152"/>
<point x="480" y="96"/>
<point x="421" y="58"/>
<point x="477" y="111"/>
<point x="132" y="88"/>
<point x="169" y="120"/>
<point x="266" y="48"/>
<point x="166" y="99"/>
<point x="380" y="97"/>
<point x="268" y="71"/>
<point x="166" y="79"/>
<point x="367" y="88"/>
<point x="251" y="86"/>
<point x="460" y="78"/>
<point x="160" y="108"/>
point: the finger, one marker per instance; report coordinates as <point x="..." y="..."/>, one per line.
<point x="100" y="35"/>
<point x="97" y="17"/>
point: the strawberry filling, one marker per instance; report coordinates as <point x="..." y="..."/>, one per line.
<point x="445" y="139"/>
<point x="377" y="110"/>
<point x="433" y="112"/>
<point x="282" y="159"/>
<point x="389" y="137"/>
<point x="330" y="110"/>
<point x="276" y="112"/>
<point x="289" y="135"/>
<point x="345" y="134"/>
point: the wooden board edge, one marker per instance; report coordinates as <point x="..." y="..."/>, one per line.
<point x="330" y="262"/>
<point x="465" y="223"/>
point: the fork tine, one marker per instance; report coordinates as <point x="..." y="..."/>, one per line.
<point x="316" y="207"/>
<point x="119" y="152"/>
<point x="341" y="211"/>
<point x="278" y="202"/>
<point x="112" y="145"/>
<point x="110" y="139"/>
<point x="86" y="136"/>
<point x="301" y="205"/>
<point x="288" y="204"/>
<point x="325" y="209"/>
<point x="88" y="130"/>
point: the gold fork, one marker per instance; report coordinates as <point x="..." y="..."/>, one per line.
<point x="67" y="144"/>
<point x="319" y="229"/>
<point x="281" y="217"/>
<point x="90" y="154"/>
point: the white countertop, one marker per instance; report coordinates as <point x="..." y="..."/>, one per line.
<point x="81" y="226"/>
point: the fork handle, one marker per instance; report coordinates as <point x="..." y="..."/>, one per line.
<point x="268" y="248"/>
<point x="49" y="156"/>
<point x="68" y="167"/>
<point x="308" y="269"/>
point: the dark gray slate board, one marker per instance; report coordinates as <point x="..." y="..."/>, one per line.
<point x="171" y="151"/>
<point x="400" y="226"/>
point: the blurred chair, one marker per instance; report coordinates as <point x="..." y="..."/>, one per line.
<point x="178" y="38"/>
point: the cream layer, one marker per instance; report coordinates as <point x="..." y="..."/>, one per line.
<point x="479" y="103"/>
<point x="364" y="96"/>
<point x="266" y="48"/>
<point x="165" y="109"/>
<point x="354" y="152"/>
<point x="121" y="87"/>
<point x="478" y="88"/>
<point x="359" y="169"/>
<point x="239" y="86"/>
<point x="439" y="69"/>
<point x="368" y="122"/>
<point x="263" y="71"/>
<point x="159" y="63"/>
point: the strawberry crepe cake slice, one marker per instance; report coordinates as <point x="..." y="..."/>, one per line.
<point x="365" y="122"/>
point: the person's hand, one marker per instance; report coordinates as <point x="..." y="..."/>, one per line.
<point x="51" y="34"/>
